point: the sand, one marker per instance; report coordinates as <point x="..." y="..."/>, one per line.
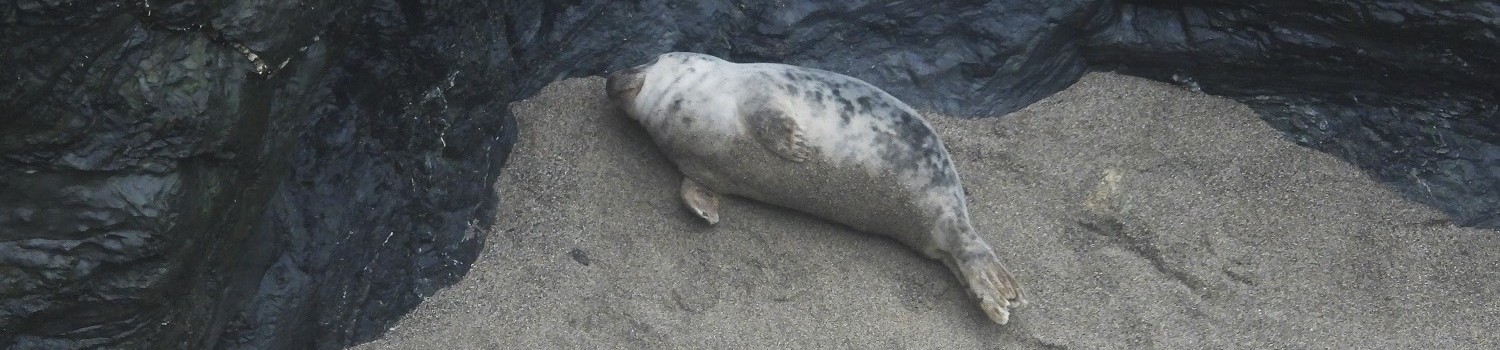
<point x="1136" y="215"/>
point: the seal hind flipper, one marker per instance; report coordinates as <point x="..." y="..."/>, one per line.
<point x="988" y="280"/>
<point x="701" y="200"/>
<point x="780" y="134"/>
<point x="991" y="283"/>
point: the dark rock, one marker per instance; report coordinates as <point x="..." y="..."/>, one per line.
<point x="580" y="256"/>
<point x="168" y="183"/>
<point x="1404" y="89"/>
<point x="275" y="174"/>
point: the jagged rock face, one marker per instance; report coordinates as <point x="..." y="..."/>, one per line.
<point x="252" y="174"/>
<point x="1405" y="89"/>
<point x="299" y="173"/>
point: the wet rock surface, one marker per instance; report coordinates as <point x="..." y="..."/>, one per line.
<point x="1403" y="89"/>
<point x="299" y="174"/>
<point x="263" y="174"/>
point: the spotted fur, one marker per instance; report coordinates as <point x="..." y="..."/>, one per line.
<point x="819" y="142"/>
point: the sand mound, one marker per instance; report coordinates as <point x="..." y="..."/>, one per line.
<point x="1136" y="215"/>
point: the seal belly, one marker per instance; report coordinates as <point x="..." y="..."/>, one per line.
<point x="841" y="191"/>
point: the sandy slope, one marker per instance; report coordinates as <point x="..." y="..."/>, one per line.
<point x="1135" y="213"/>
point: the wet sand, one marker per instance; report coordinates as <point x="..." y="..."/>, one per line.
<point x="1136" y="215"/>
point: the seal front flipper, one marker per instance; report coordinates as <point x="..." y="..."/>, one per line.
<point x="701" y="200"/>
<point x="779" y="134"/>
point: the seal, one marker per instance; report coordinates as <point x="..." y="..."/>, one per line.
<point x="818" y="142"/>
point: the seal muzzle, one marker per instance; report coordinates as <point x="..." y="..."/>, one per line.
<point x="624" y="82"/>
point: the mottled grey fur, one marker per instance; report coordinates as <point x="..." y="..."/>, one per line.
<point x="818" y="142"/>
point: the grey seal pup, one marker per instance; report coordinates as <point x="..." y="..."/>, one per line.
<point x="814" y="141"/>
